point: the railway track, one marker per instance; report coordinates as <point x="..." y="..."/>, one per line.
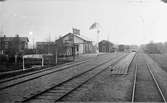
<point x="61" y="90"/>
<point x="6" y="83"/>
<point x="20" y="75"/>
<point x="146" y="88"/>
<point x="17" y="86"/>
<point x="29" y="74"/>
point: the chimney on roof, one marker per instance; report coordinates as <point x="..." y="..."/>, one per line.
<point x="76" y="31"/>
<point x="4" y="36"/>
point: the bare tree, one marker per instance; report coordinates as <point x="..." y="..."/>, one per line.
<point x="165" y="1"/>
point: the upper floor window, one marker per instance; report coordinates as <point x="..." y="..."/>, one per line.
<point x="6" y="45"/>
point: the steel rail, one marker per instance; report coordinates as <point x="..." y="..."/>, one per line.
<point x="89" y="79"/>
<point x="78" y="75"/>
<point x="46" y="69"/>
<point x="19" y="82"/>
<point x="157" y="85"/>
<point x="42" y="70"/>
<point x="25" y="75"/>
<point x="131" y="61"/>
<point x="134" y="85"/>
<point x="62" y="68"/>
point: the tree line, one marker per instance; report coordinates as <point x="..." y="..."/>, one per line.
<point x="156" y="48"/>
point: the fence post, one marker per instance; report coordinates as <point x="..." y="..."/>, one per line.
<point x="56" y="57"/>
<point x="42" y="61"/>
<point x="15" y="56"/>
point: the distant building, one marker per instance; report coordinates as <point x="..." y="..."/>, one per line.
<point x="13" y="45"/>
<point x="46" y="47"/>
<point x="106" y="46"/>
<point x="133" y="48"/>
<point x="73" y="43"/>
<point x="121" y="47"/>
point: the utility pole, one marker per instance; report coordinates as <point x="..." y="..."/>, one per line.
<point x="2" y="39"/>
<point x="1" y="31"/>
<point x="56" y="53"/>
<point x="48" y="44"/>
<point x="55" y="50"/>
<point x="73" y="47"/>
<point x="98" y="31"/>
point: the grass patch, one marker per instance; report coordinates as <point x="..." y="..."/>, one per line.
<point x="161" y="59"/>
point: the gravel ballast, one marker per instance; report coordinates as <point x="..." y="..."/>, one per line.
<point x="106" y="87"/>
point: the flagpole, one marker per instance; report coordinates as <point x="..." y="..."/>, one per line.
<point x="96" y="26"/>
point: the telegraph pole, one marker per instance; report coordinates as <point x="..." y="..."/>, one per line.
<point x="98" y="31"/>
<point x="1" y="41"/>
<point x="73" y="47"/>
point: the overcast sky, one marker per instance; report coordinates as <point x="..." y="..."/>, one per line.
<point x="122" y="21"/>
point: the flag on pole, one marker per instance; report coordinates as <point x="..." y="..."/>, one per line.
<point x="165" y="1"/>
<point x="94" y="26"/>
<point x="2" y="0"/>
